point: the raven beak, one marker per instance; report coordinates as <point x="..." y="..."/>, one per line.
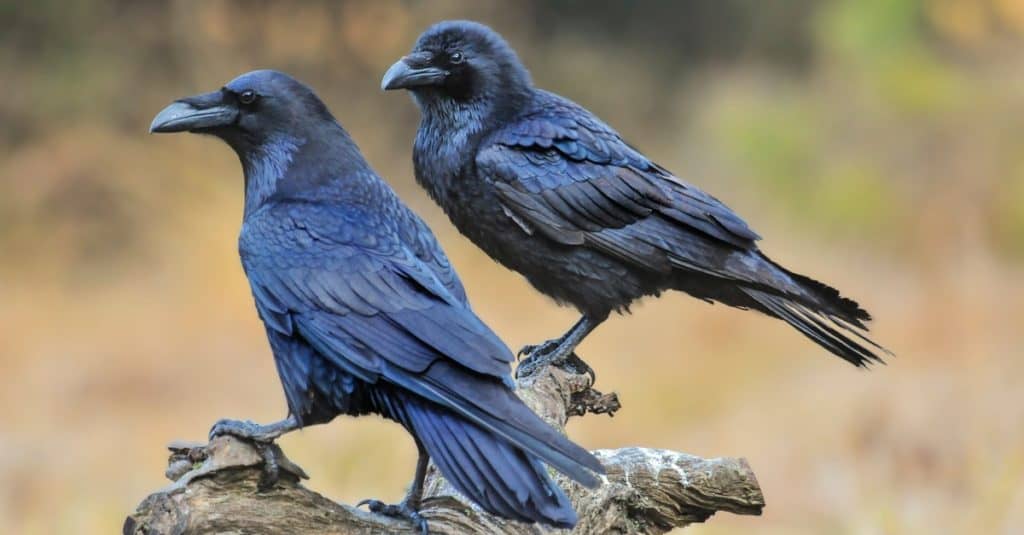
<point x="402" y="75"/>
<point x="192" y="114"/>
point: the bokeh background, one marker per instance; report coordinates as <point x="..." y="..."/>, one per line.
<point x="877" y="144"/>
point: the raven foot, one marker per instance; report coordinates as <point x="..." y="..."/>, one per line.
<point x="400" y="510"/>
<point x="261" y="436"/>
<point x="539" y="358"/>
<point x="247" y="430"/>
<point x="539" y="349"/>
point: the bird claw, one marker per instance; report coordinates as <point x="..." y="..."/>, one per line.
<point x="571" y="363"/>
<point x="538" y="356"/>
<point x="574" y="364"/>
<point x="531" y="365"/>
<point x="271" y="467"/>
<point x="543" y="348"/>
<point x="547" y="354"/>
<point x="244" y="429"/>
<point x="400" y="510"/>
<point x="262" y="439"/>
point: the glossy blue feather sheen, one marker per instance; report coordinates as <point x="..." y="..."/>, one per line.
<point x="549" y="190"/>
<point x="365" y="314"/>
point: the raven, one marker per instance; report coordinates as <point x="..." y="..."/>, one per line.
<point x="363" y="311"/>
<point x="549" y="190"/>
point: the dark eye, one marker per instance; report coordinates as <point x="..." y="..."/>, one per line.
<point x="456" y="57"/>
<point x="247" y="97"/>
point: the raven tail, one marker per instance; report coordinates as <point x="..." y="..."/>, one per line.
<point x="500" y="477"/>
<point x="836" y="324"/>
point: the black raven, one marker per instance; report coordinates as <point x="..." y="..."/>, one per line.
<point x="549" y="190"/>
<point x="363" y="311"/>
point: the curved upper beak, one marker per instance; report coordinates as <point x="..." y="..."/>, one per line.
<point x="411" y="72"/>
<point x="191" y="114"/>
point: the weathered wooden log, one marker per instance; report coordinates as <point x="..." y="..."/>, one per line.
<point x="215" y="487"/>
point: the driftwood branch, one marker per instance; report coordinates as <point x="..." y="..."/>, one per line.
<point x="645" y="491"/>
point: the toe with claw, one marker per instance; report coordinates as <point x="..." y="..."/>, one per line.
<point x="262" y="436"/>
<point x="530" y="350"/>
<point x="574" y="364"/>
<point x="571" y="363"/>
<point x="244" y="429"/>
<point x="400" y="510"/>
<point x="537" y="356"/>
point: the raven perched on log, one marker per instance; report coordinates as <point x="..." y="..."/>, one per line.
<point x="365" y="314"/>
<point x="549" y="190"/>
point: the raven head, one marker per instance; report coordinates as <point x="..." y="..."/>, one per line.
<point x="247" y="113"/>
<point x="273" y="122"/>
<point x="459" y="60"/>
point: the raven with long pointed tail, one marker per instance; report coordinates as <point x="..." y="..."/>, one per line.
<point x="365" y="314"/>
<point x="549" y="190"/>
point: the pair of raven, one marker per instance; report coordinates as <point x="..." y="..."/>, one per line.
<point x="364" y="312"/>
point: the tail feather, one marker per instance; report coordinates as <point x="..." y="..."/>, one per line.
<point x="500" y="477"/>
<point x="830" y="325"/>
<point x="838" y="305"/>
<point x="496" y="408"/>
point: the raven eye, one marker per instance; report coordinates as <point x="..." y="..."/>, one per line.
<point x="247" y="97"/>
<point x="456" y="57"/>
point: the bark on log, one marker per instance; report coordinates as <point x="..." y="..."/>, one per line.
<point x="645" y="491"/>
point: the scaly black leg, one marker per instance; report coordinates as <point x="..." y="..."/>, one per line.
<point x="262" y="436"/>
<point x="559" y="350"/>
<point x="409" y="508"/>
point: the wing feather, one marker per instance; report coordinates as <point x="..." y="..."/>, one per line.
<point x="370" y="304"/>
<point x="566" y="174"/>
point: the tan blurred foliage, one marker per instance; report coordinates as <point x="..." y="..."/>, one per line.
<point x="876" y="144"/>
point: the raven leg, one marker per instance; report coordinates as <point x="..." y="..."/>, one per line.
<point x="561" y="349"/>
<point x="262" y="436"/>
<point x="409" y="508"/>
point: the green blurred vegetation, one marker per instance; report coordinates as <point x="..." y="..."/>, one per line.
<point x="876" y="144"/>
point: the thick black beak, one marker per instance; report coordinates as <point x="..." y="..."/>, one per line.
<point x="192" y="114"/>
<point x="406" y="73"/>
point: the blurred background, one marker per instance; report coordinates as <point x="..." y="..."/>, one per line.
<point x="877" y="145"/>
